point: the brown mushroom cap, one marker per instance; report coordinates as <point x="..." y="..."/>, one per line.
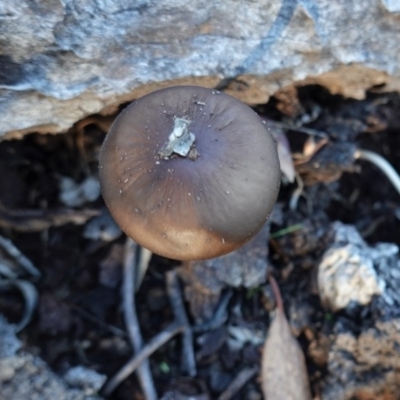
<point x="204" y="203"/>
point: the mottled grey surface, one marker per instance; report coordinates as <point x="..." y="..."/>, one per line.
<point x="363" y="360"/>
<point x="24" y="376"/>
<point x="364" y="365"/>
<point x="61" y="60"/>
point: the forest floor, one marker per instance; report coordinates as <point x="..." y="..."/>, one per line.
<point x="351" y="348"/>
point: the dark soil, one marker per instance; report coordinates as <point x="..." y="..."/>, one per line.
<point x="78" y="320"/>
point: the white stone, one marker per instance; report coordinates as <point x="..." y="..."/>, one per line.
<point x="74" y="194"/>
<point x="346" y="272"/>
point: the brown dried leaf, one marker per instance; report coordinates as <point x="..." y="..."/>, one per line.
<point x="284" y="374"/>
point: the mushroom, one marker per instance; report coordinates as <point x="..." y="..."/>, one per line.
<point x="189" y="173"/>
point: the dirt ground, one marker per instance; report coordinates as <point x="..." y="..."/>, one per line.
<point x="351" y="352"/>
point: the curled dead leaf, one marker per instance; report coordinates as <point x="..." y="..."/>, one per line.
<point x="284" y="151"/>
<point x="284" y="373"/>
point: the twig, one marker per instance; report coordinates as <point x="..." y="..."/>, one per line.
<point x="241" y="379"/>
<point x="31" y="297"/>
<point x="382" y="164"/>
<point x="94" y="320"/>
<point x="307" y="131"/>
<point x="8" y="246"/>
<point x="175" y="295"/>
<point x="294" y="199"/>
<point x="30" y="294"/>
<point x="141" y="356"/>
<point x="181" y="324"/>
<point x="33" y="220"/>
<point x="219" y="317"/>
<point x="277" y="294"/>
<point x="373" y="226"/>
<point x="131" y="320"/>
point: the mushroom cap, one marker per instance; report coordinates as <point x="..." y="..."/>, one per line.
<point x="201" y="205"/>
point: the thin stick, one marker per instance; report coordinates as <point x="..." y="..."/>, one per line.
<point x="294" y="199"/>
<point x="307" y="131"/>
<point x="382" y="164"/>
<point x="141" y="356"/>
<point x="220" y="316"/>
<point x="21" y="259"/>
<point x="131" y="320"/>
<point x="94" y="320"/>
<point x="241" y="379"/>
<point x="175" y="295"/>
<point x="277" y="294"/>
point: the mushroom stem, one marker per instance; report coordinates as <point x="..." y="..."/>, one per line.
<point x="382" y="164"/>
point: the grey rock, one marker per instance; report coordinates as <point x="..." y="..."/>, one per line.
<point x="62" y="60"/>
<point x="85" y="379"/>
<point x="392" y="5"/>
<point x="387" y="306"/>
<point x="9" y="343"/>
<point x="24" y="376"/>
<point x="73" y="194"/>
<point x="364" y="365"/>
<point x="348" y="270"/>
<point x="364" y="352"/>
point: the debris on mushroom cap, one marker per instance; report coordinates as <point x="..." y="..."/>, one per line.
<point x="189" y="173"/>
